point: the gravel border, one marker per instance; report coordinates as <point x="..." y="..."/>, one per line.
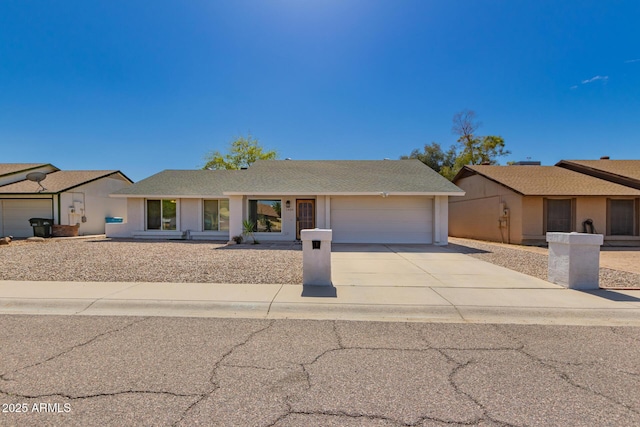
<point x="128" y="260"/>
<point x="534" y="264"/>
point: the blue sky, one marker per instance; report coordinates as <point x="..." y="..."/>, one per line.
<point x="144" y="86"/>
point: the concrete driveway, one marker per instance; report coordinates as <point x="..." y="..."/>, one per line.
<point x="421" y="266"/>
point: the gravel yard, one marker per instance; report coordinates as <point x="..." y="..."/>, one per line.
<point x="533" y="264"/>
<point x="119" y="260"/>
<point x="111" y="260"/>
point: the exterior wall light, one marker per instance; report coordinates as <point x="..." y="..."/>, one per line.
<point x="288" y="204"/>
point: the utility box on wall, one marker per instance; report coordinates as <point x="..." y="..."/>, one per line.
<point x="316" y="257"/>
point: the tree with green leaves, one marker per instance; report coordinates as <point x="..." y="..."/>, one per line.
<point x="434" y="157"/>
<point x="243" y="152"/>
<point x="471" y="149"/>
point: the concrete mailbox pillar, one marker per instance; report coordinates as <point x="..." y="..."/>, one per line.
<point x="316" y="257"/>
<point x="574" y="259"/>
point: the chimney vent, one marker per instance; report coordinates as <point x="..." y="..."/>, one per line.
<point x="604" y="158"/>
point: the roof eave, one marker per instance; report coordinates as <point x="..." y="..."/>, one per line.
<point x="346" y="193"/>
<point x="166" y="196"/>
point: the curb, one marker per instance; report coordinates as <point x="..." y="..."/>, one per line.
<point x="319" y="311"/>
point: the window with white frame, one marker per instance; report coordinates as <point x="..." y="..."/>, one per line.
<point x="162" y="214"/>
<point x="266" y="215"/>
<point x="216" y="215"/>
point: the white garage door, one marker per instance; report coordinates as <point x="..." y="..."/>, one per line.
<point x="15" y="215"/>
<point x="374" y="219"/>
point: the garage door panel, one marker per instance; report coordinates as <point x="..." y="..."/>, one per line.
<point x="382" y="220"/>
<point x="16" y="214"/>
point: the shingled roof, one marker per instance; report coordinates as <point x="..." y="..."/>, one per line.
<point x="57" y="182"/>
<point x="294" y="177"/>
<point x="11" y="168"/>
<point x="547" y="181"/>
<point x="342" y="177"/>
<point x="183" y="183"/>
<point x="625" y="172"/>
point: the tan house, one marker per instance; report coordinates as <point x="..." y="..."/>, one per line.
<point x="520" y="204"/>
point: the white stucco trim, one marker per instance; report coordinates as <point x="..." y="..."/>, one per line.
<point x="441" y="221"/>
<point x="169" y="196"/>
<point x="327" y="212"/>
<point x="331" y="193"/>
<point x="235" y="216"/>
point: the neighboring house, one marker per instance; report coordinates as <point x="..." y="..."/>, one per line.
<point x="520" y="204"/>
<point x="68" y="198"/>
<point x="386" y="201"/>
<point x="625" y="172"/>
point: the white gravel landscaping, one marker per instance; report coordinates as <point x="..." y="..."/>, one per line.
<point x="98" y="260"/>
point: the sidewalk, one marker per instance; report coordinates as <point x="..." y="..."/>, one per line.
<point x="544" y="303"/>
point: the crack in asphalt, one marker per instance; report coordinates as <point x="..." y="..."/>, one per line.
<point x="212" y="378"/>
<point x="551" y="364"/>
<point x="337" y="333"/>
<point x="567" y="378"/>
<point x="420" y="419"/>
<point x="347" y="415"/>
<point x="4" y="375"/>
<point x="456" y="369"/>
<point x="90" y="396"/>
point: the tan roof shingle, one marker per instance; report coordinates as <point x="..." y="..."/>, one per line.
<point x="10" y="168"/>
<point x="548" y="181"/>
<point x="623" y="168"/>
<point x="55" y="182"/>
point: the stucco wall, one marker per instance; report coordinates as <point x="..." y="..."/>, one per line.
<point x="190" y="215"/>
<point x="476" y="215"/>
<point x="133" y="220"/>
<point x="94" y="199"/>
<point x="532" y="218"/>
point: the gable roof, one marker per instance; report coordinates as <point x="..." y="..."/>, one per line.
<point x="11" y="168"/>
<point x="625" y="172"/>
<point x="547" y="181"/>
<point x="181" y="183"/>
<point x="57" y="182"/>
<point x="342" y="177"/>
<point x="295" y="177"/>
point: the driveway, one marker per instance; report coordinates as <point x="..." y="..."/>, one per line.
<point x="420" y="266"/>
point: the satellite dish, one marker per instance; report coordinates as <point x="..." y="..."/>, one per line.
<point x="37" y="177"/>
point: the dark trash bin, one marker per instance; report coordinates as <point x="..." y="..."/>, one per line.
<point x="41" y="227"/>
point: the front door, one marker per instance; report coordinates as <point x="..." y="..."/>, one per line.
<point x="305" y="215"/>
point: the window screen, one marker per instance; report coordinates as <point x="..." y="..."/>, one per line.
<point x="559" y="215"/>
<point x="621" y="217"/>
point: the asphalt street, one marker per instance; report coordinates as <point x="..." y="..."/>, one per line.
<point x="160" y="371"/>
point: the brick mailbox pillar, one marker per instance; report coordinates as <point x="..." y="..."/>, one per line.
<point x="574" y="259"/>
<point x="316" y="257"/>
